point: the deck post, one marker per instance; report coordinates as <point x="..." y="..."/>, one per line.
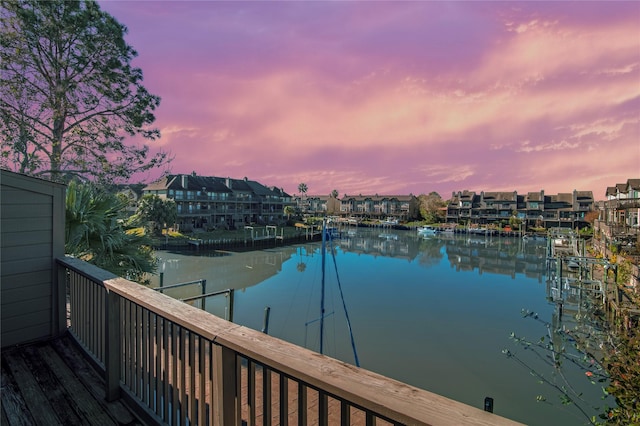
<point x="60" y="306"/>
<point x="113" y="350"/>
<point x="224" y="385"/>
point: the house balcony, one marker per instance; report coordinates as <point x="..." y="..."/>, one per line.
<point x="176" y="364"/>
<point x="623" y="203"/>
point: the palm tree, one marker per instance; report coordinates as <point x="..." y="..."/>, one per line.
<point x="302" y="188"/>
<point x="95" y="232"/>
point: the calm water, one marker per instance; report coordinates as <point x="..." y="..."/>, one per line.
<point x="432" y="312"/>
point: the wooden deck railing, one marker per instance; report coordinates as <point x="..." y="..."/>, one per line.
<point x="181" y="365"/>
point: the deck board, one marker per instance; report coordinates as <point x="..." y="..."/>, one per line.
<point x="52" y="383"/>
<point x="13" y="406"/>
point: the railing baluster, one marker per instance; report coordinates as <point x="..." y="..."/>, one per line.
<point x="183" y="376"/>
<point x="201" y="371"/>
<point x="127" y="344"/>
<point x="96" y="331"/>
<point x="152" y="356"/>
<point x="266" y="396"/>
<point x="370" y="419"/>
<point x="323" y="409"/>
<point x="145" y="365"/>
<point x="238" y="380"/>
<point x="158" y="364"/>
<point x="82" y="325"/>
<point x="345" y="413"/>
<point x="192" y="379"/>
<point x="175" y="343"/>
<point x="166" y="327"/>
<point x="212" y="390"/>
<point x="101" y="322"/>
<point x="251" y="392"/>
<point x="91" y="301"/>
<point x="133" y="327"/>
<point x="302" y="404"/>
<point x="139" y="356"/>
<point x="284" y="400"/>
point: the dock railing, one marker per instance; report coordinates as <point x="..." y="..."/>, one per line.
<point x="177" y="365"/>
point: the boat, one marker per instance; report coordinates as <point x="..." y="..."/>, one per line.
<point x="390" y="221"/>
<point x="427" y="230"/>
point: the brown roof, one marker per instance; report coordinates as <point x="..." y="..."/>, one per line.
<point x="499" y="196"/>
<point x="535" y="196"/>
<point x="378" y="197"/>
<point x="633" y="183"/>
<point x="584" y="195"/>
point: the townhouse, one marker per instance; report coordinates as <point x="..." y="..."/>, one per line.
<point x="208" y="202"/>
<point x="534" y="209"/>
<point x="400" y="207"/>
<point x="622" y="204"/>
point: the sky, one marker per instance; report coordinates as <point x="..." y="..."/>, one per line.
<point x="391" y="98"/>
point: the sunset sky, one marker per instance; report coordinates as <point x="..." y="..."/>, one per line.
<point x="395" y="97"/>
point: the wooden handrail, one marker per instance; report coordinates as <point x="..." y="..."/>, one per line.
<point x="366" y="390"/>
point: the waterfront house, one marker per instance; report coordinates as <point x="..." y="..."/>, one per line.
<point x="617" y="229"/>
<point x="460" y="205"/>
<point x="208" y="202"/>
<point x="401" y="207"/>
<point x="496" y="206"/>
<point x="622" y="204"/>
<point x="537" y="209"/>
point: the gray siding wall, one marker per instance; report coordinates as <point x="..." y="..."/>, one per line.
<point x="31" y="237"/>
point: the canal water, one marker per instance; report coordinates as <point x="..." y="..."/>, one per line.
<point x="435" y="312"/>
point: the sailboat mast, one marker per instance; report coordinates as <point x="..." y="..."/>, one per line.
<point x="324" y="231"/>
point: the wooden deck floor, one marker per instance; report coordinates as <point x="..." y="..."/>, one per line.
<point x="51" y="383"/>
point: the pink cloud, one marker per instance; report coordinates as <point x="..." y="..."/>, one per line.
<point x="395" y="97"/>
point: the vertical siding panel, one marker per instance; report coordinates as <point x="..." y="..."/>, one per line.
<point x="34" y="207"/>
